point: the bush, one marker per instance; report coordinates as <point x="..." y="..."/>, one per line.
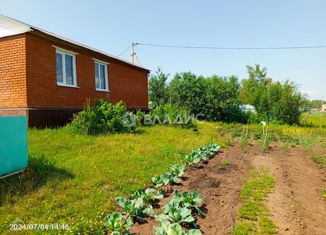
<point x="214" y="98"/>
<point x="170" y="114"/>
<point x="104" y="118"/>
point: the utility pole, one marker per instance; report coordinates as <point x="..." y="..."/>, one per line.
<point x="133" y="52"/>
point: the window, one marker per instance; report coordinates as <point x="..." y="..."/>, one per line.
<point x="66" y="68"/>
<point x="101" y="76"/>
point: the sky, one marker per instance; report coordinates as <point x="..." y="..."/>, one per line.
<point x="113" y="25"/>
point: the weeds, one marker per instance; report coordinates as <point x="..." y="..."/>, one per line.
<point x="255" y="189"/>
<point x="307" y="141"/>
<point x="320" y="161"/>
<point x="223" y="165"/>
<point x="245" y="137"/>
<point x="265" y="141"/>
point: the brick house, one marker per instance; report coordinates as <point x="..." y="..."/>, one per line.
<point x="48" y="77"/>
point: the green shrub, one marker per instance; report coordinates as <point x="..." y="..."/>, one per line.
<point x="170" y="114"/>
<point x="103" y="118"/>
<point x="140" y="116"/>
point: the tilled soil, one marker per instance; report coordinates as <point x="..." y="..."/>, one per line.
<point x="220" y="190"/>
<point x="296" y="205"/>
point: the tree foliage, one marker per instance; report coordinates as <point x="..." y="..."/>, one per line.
<point x="274" y="101"/>
<point x="158" y="88"/>
<point x="213" y="98"/>
<point x="218" y="98"/>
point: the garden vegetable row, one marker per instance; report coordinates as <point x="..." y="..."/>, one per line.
<point x="180" y="212"/>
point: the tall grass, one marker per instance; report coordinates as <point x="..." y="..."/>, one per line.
<point x="314" y="120"/>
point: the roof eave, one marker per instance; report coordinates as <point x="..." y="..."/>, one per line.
<point x="32" y="28"/>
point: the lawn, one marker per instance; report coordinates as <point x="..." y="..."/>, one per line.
<point x="73" y="179"/>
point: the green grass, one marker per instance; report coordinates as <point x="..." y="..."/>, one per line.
<point x="314" y="120"/>
<point x="223" y="164"/>
<point x="253" y="214"/>
<point x="320" y="161"/>
<point x="74" y="179"/>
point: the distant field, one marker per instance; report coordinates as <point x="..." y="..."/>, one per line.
<point x="314" y="119"/>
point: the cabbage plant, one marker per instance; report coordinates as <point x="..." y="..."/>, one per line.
<point x="118" y="224"/>
<point x="168" y="228"/>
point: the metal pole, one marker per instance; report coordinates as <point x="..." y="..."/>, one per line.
<point x="133" y="53"/>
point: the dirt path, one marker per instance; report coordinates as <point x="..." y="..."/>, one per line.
<point x="220" y="190"/>
<point x="296" y="205"/>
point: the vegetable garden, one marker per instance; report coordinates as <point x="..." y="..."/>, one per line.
<point x="176" y="215"/>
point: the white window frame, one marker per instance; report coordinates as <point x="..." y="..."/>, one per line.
<point x="106" y="66"/>
<point x="63" y="53"/>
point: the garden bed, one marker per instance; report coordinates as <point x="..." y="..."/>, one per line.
<point x="219" y="188"/>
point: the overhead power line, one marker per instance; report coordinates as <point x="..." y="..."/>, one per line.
<point x="232" y="48"/>
<point x="125" y="51"/>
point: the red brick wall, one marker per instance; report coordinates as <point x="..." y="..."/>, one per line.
<point x="126" y="82"/>
<point x="12" y="72"/>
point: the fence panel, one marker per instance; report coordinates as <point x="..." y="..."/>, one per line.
<point x="13" y="144"/>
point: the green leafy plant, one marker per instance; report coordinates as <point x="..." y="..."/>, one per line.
<point x="189" y="200"/>
<point x="103" y="118"/>
<point x="177" y="170"/>
<point x="168" y="228"/>
<point x="165" y="179"/>
<point x="173" y="212"/>
<point x="135" y="207"/>
<point x="149" y="195"/>
<point x="193" y="158"/>
<point x="180" y="211"/>
<point x="202" y="154"/>
<point x="118" y="224"/>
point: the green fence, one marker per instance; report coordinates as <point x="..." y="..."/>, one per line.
<point x="13" y="144"/>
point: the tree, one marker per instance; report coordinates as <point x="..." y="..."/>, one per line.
<point x="274" y="101"/>
<point x="215" y="98"/>
<point x="186" y="90"/>
<point x="221" y="99"/>
<point x="313" y="104"/>
<point x="157" y="88"/>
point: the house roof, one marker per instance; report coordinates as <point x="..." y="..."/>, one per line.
<point x="10" y="27"/>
